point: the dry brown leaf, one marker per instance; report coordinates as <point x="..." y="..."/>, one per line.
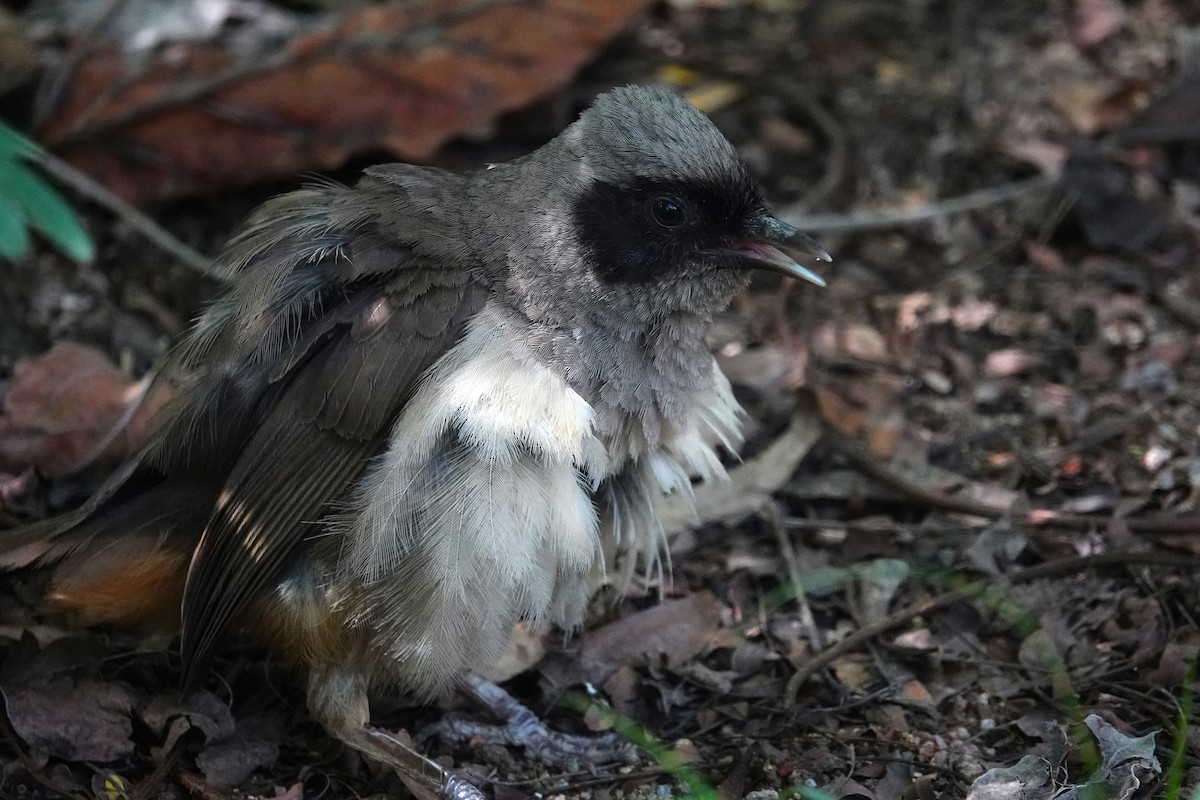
<point x="915" y="692"/>
<point x="1044" y="154"/>
<point x="170" y="718"/>
<point x="229" y="763"/>
<point x="766" y="369"/>
<point x="1183" y="542"/>
<point x="67" y="408"/>
<point x="293" y="792"/>
<point x="863" y="341"/>
<point x="1011" y="361"/>
<point x="853" y="671"/>
<point x="404" y="77"/>
<point x="1093" y="21"/>
<point x="85" y="721"/>
<point x="919" y="639"/>
<point x="1175" y="661"/>
<point x="866" y="407"/>
<point x="526" y="647"/>
<point x="1081" y="102"/>
<point x="849" y="789"/>
<point x="1044" y="257"/>
<point x="18" y="56"/>
<point x="686" y="752"/>
<point x="670" y="633"/>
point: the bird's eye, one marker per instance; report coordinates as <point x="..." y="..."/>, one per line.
<point x="667" y="211"/>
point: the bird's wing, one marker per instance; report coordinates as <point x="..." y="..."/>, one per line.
<point x="288" y="384"/>
<point x="298" y="251"/>
<point x="339" y="389"/>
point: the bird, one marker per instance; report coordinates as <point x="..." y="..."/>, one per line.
<point x="429" y="406"/>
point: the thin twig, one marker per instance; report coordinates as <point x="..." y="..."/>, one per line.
<point x="900" y="216"/>
<point x="775" y="518"/>
<point x="9" y="734"/>
<point x="50" y="92"/>
<point x="858" y="457"/>
<point x="99" y="194"/>
<point x="835" y="134"/>
<point x="119" y="426"/>
<point x="932" y="498"/>
<point x="152" y="784"/>
<point x="860" y="637"/>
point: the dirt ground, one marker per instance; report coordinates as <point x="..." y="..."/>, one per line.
<point x="964" y="535"/>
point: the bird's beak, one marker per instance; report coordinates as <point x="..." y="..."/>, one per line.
<point x="759" y="251"/>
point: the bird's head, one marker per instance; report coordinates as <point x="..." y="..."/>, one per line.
<point x="639" y="209"/>
<point x="665" y="198"/>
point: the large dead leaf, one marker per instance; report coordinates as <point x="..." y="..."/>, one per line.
<point x="1126" y="763"/>
<point x="85" y="721"/>
<point x="69" y="407"/>
<point x="404" y="77"/>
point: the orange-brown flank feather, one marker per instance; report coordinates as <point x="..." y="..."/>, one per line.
<point x="145" y="591"/>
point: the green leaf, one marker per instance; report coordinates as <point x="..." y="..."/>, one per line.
<point x="14" y="146"/>
<point x="47" y="211"/>
<point x="28" y="199"/>
<point x="14" y="230"/>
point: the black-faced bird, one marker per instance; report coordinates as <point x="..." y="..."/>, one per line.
<point x="432" y="405"/>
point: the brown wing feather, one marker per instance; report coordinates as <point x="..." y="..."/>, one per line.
<point x="294" y="250"/>
<point x="285" y="388"/>
<point x="331" y="416"/>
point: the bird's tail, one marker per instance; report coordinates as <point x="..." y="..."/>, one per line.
<point x="123" y="562"/>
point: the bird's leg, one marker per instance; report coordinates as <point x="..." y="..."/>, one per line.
<point x="338" y="699"/>
<point x="521" y="727"/>
<point x="388" y="749"/>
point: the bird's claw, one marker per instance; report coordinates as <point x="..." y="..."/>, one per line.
<point x="552" y="748"/>
<point x="457" y="788"/>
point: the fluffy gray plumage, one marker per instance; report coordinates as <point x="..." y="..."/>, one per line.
<point x="435" y="404"/>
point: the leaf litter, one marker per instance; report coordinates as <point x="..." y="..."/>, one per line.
<point x="967" y="509"/>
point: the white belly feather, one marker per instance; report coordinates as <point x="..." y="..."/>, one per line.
<point x="481" y="511"/>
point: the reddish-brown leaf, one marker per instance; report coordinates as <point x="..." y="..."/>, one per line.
<point x="67" y="408"/>
<point x="404" y="77"/>
<point x="1093" y="21"/>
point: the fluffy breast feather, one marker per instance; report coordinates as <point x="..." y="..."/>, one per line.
<point x="488" y="505"/>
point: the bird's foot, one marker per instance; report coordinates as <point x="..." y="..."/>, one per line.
<point x="522" y="728"/>
<point x="554" y="749"/>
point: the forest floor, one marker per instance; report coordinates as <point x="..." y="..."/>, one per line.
<point x="966" y="527"/>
